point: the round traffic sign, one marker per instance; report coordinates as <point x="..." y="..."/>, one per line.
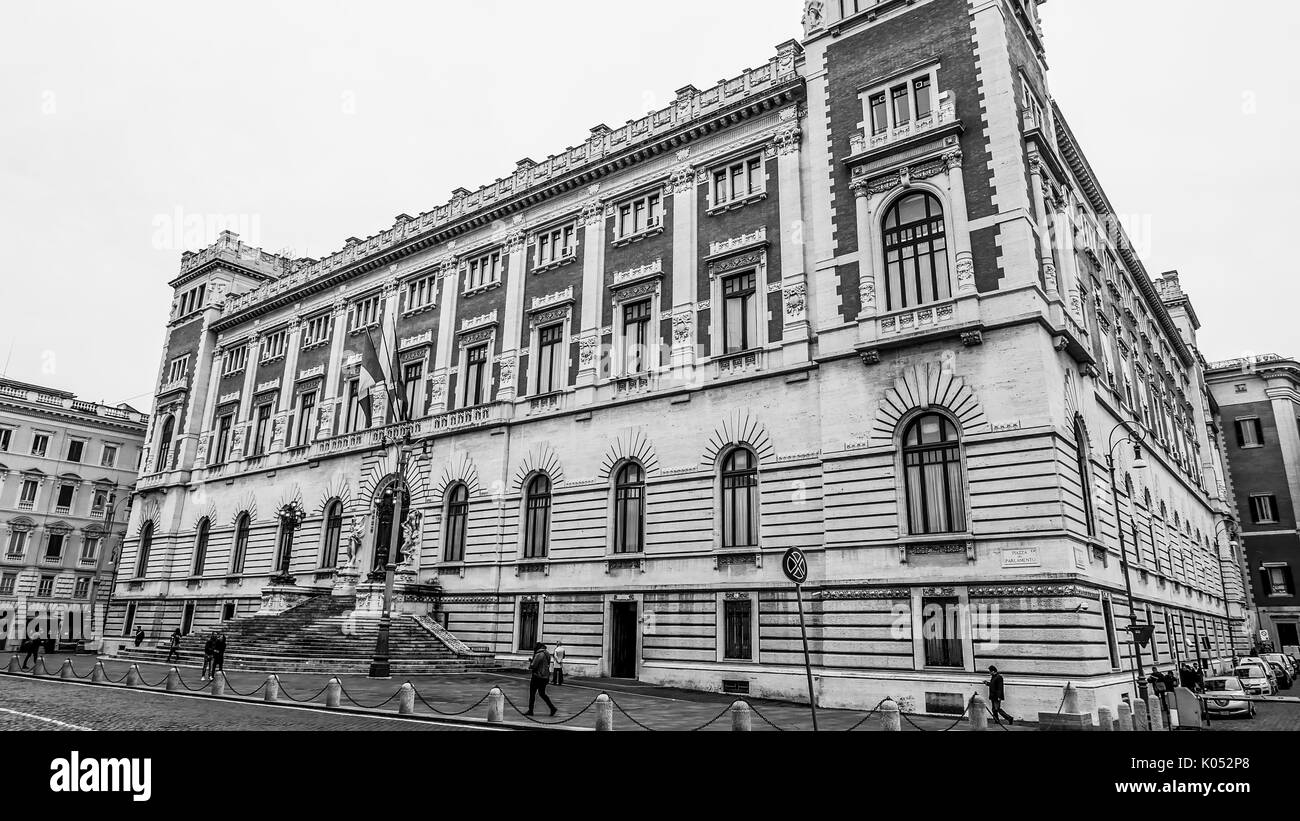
<point x="795" y="565"/>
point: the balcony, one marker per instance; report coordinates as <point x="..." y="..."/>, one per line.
<point x="736" y="364"/>
<point x="27" y="504"/>
<point x="175" y="385"/>
<point x="546" y="403"/>
<point x="63" y="510"/>
<point x="937" y="120"/>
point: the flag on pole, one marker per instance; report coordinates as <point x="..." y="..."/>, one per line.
<point x="389" y="374"/>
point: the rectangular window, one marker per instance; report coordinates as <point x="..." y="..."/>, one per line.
<point x="82" y="588"/>
<point x="234" y="360"/>
<point x="109" y="457"/>
<point x="352" y="421"/>
<point x="1112" y="640"/>
<point x="262" y="432"/>
<point x="66" y="493"/>
<point x="40" y="444"/>
<point x="556" y="245"/>
<point x="941" y="631"/>
<point x="420" y="293"/>
<point x="1263" y="508"/>
<point x="90" y="548"/>
<point x="640" y="214"/>
<point x="738" y="629"/>
<point x="46" y="588"/>
<point x="365" y="313"/>
<point x="273" y="345"/>
<point x="413" y="388"/>
<point x="317" y="329"/>
<point x="740" y="314"/>
<point x="1249" y="433"/>
<point x="130" y="619"/>
<point x="223" y="438"/>
<point x="738" y="181"/>
<point x="54" y="547"/>
<point x="528" y="621"/>
<point x="549" y="341"/>
<point x="483" y="271"/>
<point x="177" y="370"/>
<point x="922" y="96"/>
<point x="1277" y="580"/>
<point x="475" y="392"/>
<point x="7" y="582"/>
<point x="17" y="544"/>
<point x="227" y="611"/>
<point x="879" y="113"/>
<point x="306" y="412"/>
<point x="902" y="109"/>
<point x="76" y="449"/>
<point x="27" y="496"/>
<point x="636" y="336"/>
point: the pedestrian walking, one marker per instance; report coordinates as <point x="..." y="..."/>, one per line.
<point x="209" y="647"/>
<point x="32" y="648"/>
<point x="174" y="652"/>
<point x="557" y="664"/>
<point x="540" y="667"/>
<point x="219" y="653"/>
<point x="997" y="694"/>
<point x="1160" y="688"/>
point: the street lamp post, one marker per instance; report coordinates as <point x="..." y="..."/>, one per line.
<point x="1138" y="464"/>
<point x="379" y="666"/>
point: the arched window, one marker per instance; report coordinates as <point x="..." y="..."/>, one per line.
<point x="537" y="516"/>
<point x="165" y="444"/>
<point x="936" y="490"/>
<point x="146" y="543"/>
<point x="200" y="547"/>
<point x="629" y="509"/>
<point x="332" y="534"/>
<point x="457" y="523"/>
<point x="1085" y="476"/>
<point x="1151" y="529"/>
<point x="740" y="499"/>
<point x="1132" y="518"/>
<point x="240" y="550"/>
<point x="916" y="252"/>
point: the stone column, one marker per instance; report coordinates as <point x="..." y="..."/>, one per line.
<point x="866" y="248"/>
<point x="794" y="280"/>
<point x="444" y="354"/>
<point x="240" y="430"/>
<point x="1280" y="395"/>
<point x="196" y="408"/>
<point x="960" y="223"/>
<point x="208" y="419"/>
<point x="1039" y="186"/>
<point x="511" y="323"/>
<point x="682" y="186"/>
<point x="593" y="282"/>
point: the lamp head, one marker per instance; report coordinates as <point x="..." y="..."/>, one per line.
<point x="1139" y="462"/>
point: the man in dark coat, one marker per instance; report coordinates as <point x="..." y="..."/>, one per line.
<point x="174" y="651"/>
<point x="540" y="667"/>
<point x="219" y="653"/>
<point x="997" y="694"/>
<point x="32" y="649"/>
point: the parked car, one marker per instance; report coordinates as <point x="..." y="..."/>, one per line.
<point x="1225" y="696"/>
<point x="1256" y="678"/>
<point x="1284" y="661"/>
<point x="1280" y="673"/>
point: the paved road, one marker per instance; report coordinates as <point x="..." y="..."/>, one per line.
<point x="42" y="704"/>
<point x="1268" y="716"/>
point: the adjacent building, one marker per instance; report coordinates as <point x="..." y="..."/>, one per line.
<point x="67" y="469"/>
<point x="868" y="299"/>
<point x="1259" y="400"/>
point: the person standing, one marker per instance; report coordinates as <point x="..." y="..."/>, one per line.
<point x="1158" y="686"/>
<point x="139" y="636"/>
<point x="208" y="649"/>
<point x="997" y="694"/>
<point x="540" y="667"/>
<point x="174" y="652"/>
<point x="32" y="648"/>
<point x="219" y="653"/>
<point x="557" y="664"/>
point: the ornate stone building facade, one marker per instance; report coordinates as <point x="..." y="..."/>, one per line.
<point x="861" y="299"/>
<point x="67" y="468"/>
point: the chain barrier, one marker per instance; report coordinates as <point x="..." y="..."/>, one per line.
<point x="186" y="685"/>
<point x="349" y="697"/>
<point x="696" y="729"/>
<point x="145" y="681"/>
<point x="232" y="688"/>
<point x="285" y="692"/>
<point x="874" y="710"/>
<point x="548" y="723"/>
<point x="444" y="713"/>
<point x="909" y="720"/>
<point x="765" y="719"/>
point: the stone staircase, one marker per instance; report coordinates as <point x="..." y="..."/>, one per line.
<point x="322" y="635"/>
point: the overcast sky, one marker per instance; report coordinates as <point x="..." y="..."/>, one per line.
<point x="310" y="122"/>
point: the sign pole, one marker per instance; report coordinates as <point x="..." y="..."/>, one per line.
<point x="807" y="661"/>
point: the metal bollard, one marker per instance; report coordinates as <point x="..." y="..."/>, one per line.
<point x="604" y="713"/>
<point x="133" y="676"/>
<point x="1140" y="721"/>
<point x="273" y="687"/>
<point x="219" y="684"/>
<point x="742" y="717"/>
<point x="1105" y="720"/>
<point x="891" y="718"/>
<point x="98" y="675"/>
<point x="173" y="680"/>
<point x="978" y="712"/>
<point x="333" y="692"/>
<point x="1154" y="713"/>
<point x="1125" y="717"/>
<point x="15" y="666"/>
<point x="496" y="702"/>
<point x="406" y="699"/>
<point x="66" y="672"/>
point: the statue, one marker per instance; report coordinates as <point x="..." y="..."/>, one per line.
<point x="812" y="16"/>
<point x="360" y="526"/>
<point x="410" y="547"/>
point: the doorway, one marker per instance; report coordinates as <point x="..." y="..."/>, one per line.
<point x="384" y="525"/>
<point x="623" y="630"/>
<point x="187" y="619"/>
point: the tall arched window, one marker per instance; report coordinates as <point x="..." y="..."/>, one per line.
<point x="629" y="509"/>
<point x="332" y="534"/>
<point x="1085" y="475"/>
<point x="1132" y="518"/>
<point x="936" y="491"/>
<point x="456" y="523"/>
<point x="165" y="444"/>
<point x="200" y="547"/>
<point x="146" y="544"/>
<point x="240" y="550"/>
<point x="740" y="499"/>
<point x="1151" y="529"/>
<point x="537" y="516"/>
<point x="916" y="252"/>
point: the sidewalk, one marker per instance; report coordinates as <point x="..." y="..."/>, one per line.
<point x="637" y="705"/>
